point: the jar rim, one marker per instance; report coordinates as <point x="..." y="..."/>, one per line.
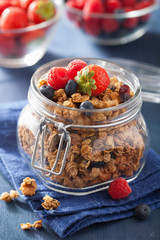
<point x="58" y="62"/>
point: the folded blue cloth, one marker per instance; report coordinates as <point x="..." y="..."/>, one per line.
<point x="75" y="212"/>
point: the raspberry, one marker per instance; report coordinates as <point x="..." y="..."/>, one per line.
<point x="57" y="77"/>
<point x="119" y="188"/>
<point x="75" y="66"/>
<point x="128" y="3"/>
<point x="112" y="5"/>
<point x="92" y="26"/>
<point x="130" y="23"/>
<point x="92" y="6"/>
<point x="110" y="25"/>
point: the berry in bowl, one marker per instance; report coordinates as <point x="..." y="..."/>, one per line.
<point x="83" y="125"/>
<point x="26" y="28"/>
<point x="111" y="22"/>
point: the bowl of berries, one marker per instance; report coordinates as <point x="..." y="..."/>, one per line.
<point x="111" y="22"/>
<point x="26" y="29"/>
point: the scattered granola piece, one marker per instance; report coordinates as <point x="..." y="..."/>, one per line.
<point x="14" y="194"/>
<point x="26" y="226"/>
<point x="37" y="224"/>
<point x="6" y="197"/>
<point x="50" y="203"/>
<point x="28" y="186"/>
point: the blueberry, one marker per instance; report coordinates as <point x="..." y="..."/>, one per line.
<point x="86" y="105"/>
<point x="70" y="88"/>
<point x="142" y="211"/>
<point x="47" y="91"/>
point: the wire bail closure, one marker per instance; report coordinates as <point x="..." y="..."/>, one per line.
<point x="65" y="137"/>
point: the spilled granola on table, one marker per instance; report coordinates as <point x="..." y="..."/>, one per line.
<point x="96" y="155"/>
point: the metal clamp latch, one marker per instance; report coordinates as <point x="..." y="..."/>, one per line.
<point x="64" y="137"/>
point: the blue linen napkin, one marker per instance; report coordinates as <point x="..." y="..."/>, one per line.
<point x="75" y="212"/>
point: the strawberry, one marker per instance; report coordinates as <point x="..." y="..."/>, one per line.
<point x="92" y="6"/>
<point x="92" y="80"/>
<point x="25" y="3"/>
<point x="30" y="36"/>
<point x="57" y="77"/>
<point x="79" y="4"/>
<point x="4" y="4"/>
<point x="40" y="11"/>
<point x="119" y="188"/>
<point x="7" y="45"/>
<point x="15" y="3"/>
<point x="75" y="66"/>
<point x="13" y="17"/>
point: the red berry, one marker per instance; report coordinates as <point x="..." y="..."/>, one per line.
<point x="7" y="45"/>
<point x="4" y="4"/>
<point x="25" y="3"/>
<point x="110" y="25"/>
<point x="57" y="77"/>
<point x="13" y="17"/>
<point x="119" y="188"/>
<point x="130" y="23"/>
<point x="92" y="26"/>
<point x="142" y="5"/>
<point x="75" y="66"/>
<point x="79" y="4"/>
<point x="112" y="5"/>
<point x="92" y="6"/>
<point x="128" y="3"/>
<point x="40" y="11"/>
<point x="92" y="80"/>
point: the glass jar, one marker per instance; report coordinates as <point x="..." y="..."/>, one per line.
<point x="77" y="153"/>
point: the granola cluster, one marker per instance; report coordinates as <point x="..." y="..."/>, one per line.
<point x="28" y="186"/>
<point x="96" y="155"/>
<point x="7" y="197"/>
<point x="50" y="203"/>
<point x="26" y="226"/>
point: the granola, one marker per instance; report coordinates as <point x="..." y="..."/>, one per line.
<point x="26" y="226"/>
<point x="28" y="186"/>
<point x="96" y="155"/>
<point x="50" y="203"/>
<point x="5" y="197"/>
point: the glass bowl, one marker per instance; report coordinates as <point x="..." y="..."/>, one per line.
<point x="77" y="151"/>
<point x="112" y="28"/>
<point x="26" y="46"/>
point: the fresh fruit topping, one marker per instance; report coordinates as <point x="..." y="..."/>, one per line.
<point x="124" y="93"/>
<point x="57" y="77"/>
<point x="79" y="4"/>
<point x="25" y="3"/>
<point x="112" y="5"/>
<point x="75" y="66"/>
<point x="92" y="6"/>
<point x="47" y="91"/>
<point x="40" y="11"/>
<point x="142" y="211"/>
<point x="119" y="188"/>
<point x="71" y="88"/>
<point x="13" y="17"/>
<point x="86" y="105"/>
<point x="92" y="80"/>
